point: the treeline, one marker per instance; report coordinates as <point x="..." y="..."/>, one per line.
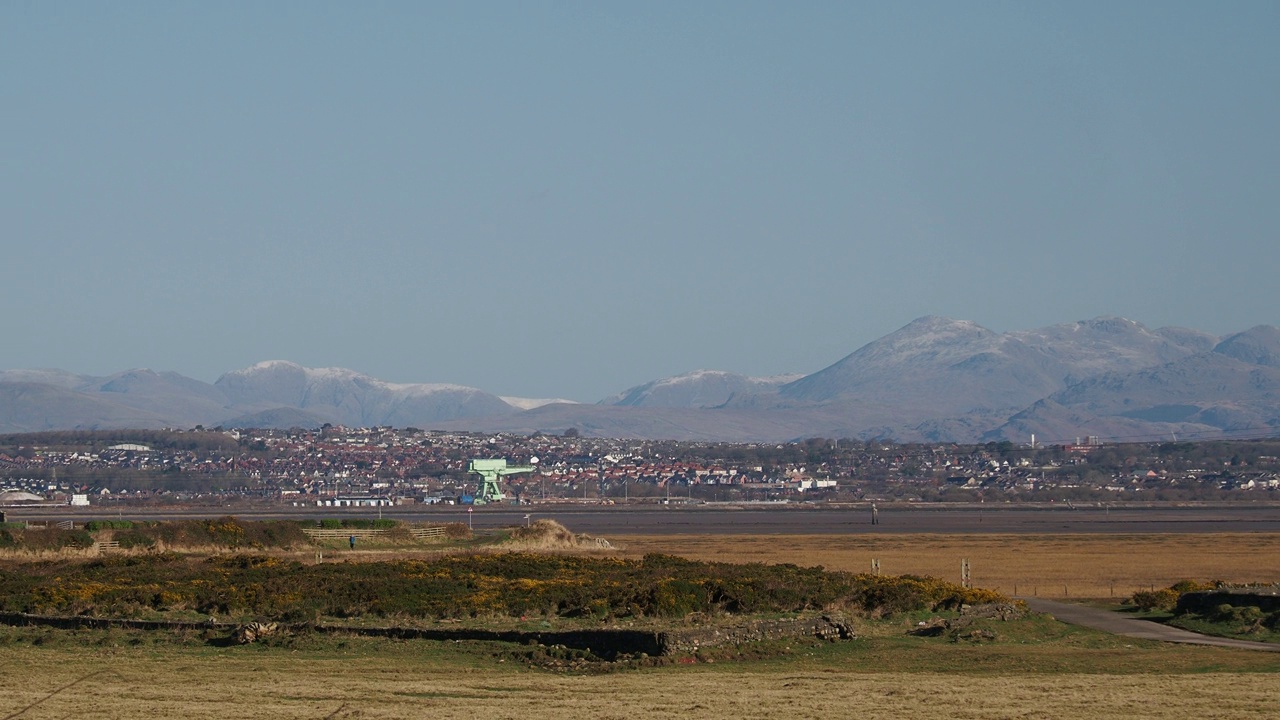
<point x="15" y="445"/>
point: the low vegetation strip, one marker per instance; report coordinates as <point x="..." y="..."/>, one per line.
<point x="468" y="586"/>
<point x="605" y="643"/>
<point x="225" y="532"/>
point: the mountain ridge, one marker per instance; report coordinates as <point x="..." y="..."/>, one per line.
<point x="934" y="379"/>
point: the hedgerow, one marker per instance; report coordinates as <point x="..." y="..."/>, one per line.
<point x="226" y="532"/>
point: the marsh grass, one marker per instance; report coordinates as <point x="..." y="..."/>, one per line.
<point x="1058" y="566"/>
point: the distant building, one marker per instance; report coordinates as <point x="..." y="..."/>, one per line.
<point x="355" y="501"/>
<point x="18" y="497"/>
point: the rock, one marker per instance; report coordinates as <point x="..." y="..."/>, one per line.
<point x="254" y="631"/>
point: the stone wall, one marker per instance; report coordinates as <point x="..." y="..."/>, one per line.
<point x="1266" y="599"/>
<point x="684" y="642"/>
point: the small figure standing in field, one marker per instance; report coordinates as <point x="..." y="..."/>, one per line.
<point x="875" y="514"/>
<point x="352" y="540"/>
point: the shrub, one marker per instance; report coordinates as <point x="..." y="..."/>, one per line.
<point x="1164" y="599"/>
<point x="1231" y="614"/>
<point x="457" y="531"/>
<point x="1186" y="586"/>
<point x="96" y="525"/>
<point x="134" y="539"/>
<point x="55" y="539"/>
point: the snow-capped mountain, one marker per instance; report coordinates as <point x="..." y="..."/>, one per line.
<point x="1113" y="344"/>
<point x="347" y="397"/>
<point x="698" y="389"/>
<point x="939" y="366"/>
<point x="523" y="403"/>
<point x="934" y="379"/>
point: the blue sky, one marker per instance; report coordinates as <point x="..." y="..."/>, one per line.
<point x="566" y="199"/>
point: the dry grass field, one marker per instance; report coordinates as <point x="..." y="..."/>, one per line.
<point x="1072" y="566"/>
<point x="421" y="680"/>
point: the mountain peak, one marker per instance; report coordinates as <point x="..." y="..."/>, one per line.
<point x="1112" y="323"/>
<point x="930" y="334"/>
<point x="931" y="362"/>
<point x="700" y="388"/>
<point x="272" y="365"/>
<point x="937" y="322"/>
<point x="1259" y="345"/>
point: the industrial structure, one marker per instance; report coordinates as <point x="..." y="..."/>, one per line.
<point x="491" y="472"/>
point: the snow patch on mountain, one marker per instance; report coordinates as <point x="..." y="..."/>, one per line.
<point x="522" y="403"/>
<point x="697" y="389"/>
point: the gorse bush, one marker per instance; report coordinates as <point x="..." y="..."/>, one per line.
<point x="511" y="584"/>
<point x="1166" y="599"/>
<point x="1163" y="600"/>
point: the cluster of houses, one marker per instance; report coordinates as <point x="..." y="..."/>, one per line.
<point x="372" y="467"/>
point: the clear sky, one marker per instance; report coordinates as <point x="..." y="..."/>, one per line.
<point x="566" y="199"/>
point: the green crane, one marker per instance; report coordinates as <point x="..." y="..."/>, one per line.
<point x="490" y="472"/>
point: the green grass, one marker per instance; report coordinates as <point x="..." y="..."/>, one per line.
<point x="1258" y="627"/>
<point x="1035" y="645"/>
<point x="1229" y="629"/>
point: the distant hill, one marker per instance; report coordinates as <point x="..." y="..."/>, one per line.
<point x="33" y="407"/>
<point x="934" y="379"/>
<point x="269" y="394"/>
<point x="1201" y="395"/>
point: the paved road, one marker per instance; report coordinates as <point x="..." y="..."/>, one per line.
<point x="1118" y="624"/>
<point x="794" y="519"/>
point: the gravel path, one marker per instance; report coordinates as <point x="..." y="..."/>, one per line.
<point x="1118" y="624"/>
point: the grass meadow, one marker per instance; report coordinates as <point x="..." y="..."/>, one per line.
<point x="1064" y="673"/>
<point x="1034" y="668"/>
